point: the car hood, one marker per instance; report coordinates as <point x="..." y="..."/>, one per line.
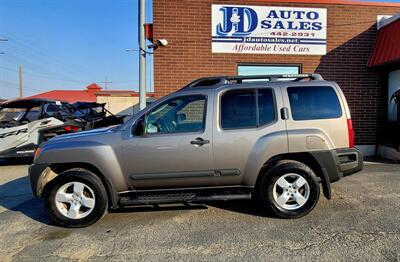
<point x="92" y="132"/>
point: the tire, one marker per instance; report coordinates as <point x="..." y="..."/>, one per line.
<point x="76" y="198"/>
<point x="280" y="191"/>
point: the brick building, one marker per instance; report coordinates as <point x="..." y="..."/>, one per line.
<point x="351" y="30"/>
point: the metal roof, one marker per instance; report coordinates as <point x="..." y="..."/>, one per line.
<point x="388" y="21"/>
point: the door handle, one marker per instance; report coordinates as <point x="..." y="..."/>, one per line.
<point x="199" y="141"/>
<point x="284" y="113"/>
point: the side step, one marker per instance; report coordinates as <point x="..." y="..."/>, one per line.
<point x="151" y="199"/>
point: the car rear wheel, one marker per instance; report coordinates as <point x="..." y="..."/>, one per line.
<point x="289" y="189"/>
<point x="76" y="198"/>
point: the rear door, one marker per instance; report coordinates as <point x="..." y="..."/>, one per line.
<point x="247" y="132"/>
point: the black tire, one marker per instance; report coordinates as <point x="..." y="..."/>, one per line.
<point x="91" y="181"/>
<point x="271" y="176"/>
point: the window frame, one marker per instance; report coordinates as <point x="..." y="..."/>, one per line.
<point x="145" y="134"/>
<point x="258" y="126"/>
<point x="315" y="119"/>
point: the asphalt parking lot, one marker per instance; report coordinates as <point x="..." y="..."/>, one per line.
<point x="362" y="223"/>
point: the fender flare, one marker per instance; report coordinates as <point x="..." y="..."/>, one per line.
<point x="40" y="175"/>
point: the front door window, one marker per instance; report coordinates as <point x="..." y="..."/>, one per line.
<point x="178" y="115"/>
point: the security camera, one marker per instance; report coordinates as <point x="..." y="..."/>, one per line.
<point x="159" y="42"/>
<point x="162" y="42"/>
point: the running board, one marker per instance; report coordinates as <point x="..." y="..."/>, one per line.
<point x="178" y="198"/>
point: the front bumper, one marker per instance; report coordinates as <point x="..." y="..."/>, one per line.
<point x="35" y="178"/>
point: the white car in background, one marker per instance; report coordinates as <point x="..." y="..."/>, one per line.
<point x="21" y="123"/>
<point x="26" y="123"/>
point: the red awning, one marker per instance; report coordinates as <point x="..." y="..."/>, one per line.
<point x="387" y="45"/>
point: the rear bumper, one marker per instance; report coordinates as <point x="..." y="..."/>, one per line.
<point x="350" y="160"/>
<point x="339" y="162"/>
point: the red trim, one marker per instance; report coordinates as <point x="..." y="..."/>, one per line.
<point x="148" y="28"/>
<point x="71" y="128"/>
<point x="332" y="2"/>
<point x="350" y="131"/>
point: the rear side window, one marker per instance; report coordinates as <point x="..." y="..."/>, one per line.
<point x="314" y="102"/>
<point x="247" y="108"/>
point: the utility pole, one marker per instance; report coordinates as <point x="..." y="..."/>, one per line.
<point x="106" y="82"/>
<point x="3" y="40"/>
<point x="142" y="55"/>
<point x="20" y="80"/>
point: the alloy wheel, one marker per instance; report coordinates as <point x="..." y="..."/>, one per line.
<point x="75" y="200"/>
<point x="291" y="191"/>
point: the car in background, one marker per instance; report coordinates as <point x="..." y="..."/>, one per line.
<point x="26" y="123"/>
<point x="21" y="122"/>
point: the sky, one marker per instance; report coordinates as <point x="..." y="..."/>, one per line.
<point x="69" y="44"/>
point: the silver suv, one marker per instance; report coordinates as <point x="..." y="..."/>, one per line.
<point x="274" y="138"/>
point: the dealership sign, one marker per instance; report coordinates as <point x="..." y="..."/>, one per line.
<point x="268" y="30"/>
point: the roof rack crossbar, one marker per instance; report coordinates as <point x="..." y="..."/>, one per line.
<point x="218" y="80"/>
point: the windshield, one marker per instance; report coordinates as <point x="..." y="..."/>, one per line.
<point x="17" y="114"/>
<point x="8" y="114"/>
<point x="55" y="110"/>
<point x="90" y="111"/>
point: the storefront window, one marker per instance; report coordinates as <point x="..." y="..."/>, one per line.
<point x="394" y="86"/>
<point x="262" y="69"/>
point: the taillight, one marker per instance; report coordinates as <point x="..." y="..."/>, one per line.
<point x="350" y="131"/>
<point x="37" y="152"/>
<point x="71" y="128"/>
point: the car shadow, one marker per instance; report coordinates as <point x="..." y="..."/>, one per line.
<point x="248" y="207"/>
<point x="16" y="196"/>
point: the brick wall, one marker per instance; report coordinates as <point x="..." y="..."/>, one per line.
<point x="186" y="24"/>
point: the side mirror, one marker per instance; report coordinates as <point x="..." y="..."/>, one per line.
<point x="180" y="118"/>
<point x="138" y="129"/>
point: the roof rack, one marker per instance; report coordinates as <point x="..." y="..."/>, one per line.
<point x="220" y="80"/>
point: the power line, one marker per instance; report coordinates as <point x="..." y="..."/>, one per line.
<point x="18" y="58"/>
<point x="32" y="66"/>
<point x="105" y="82"/>
<point x="39" y="53"/>
<point x="44" y="76"/>
<point x="17" y="85"/>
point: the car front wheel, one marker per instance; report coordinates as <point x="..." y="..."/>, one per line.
<point x="76" y="198"/>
